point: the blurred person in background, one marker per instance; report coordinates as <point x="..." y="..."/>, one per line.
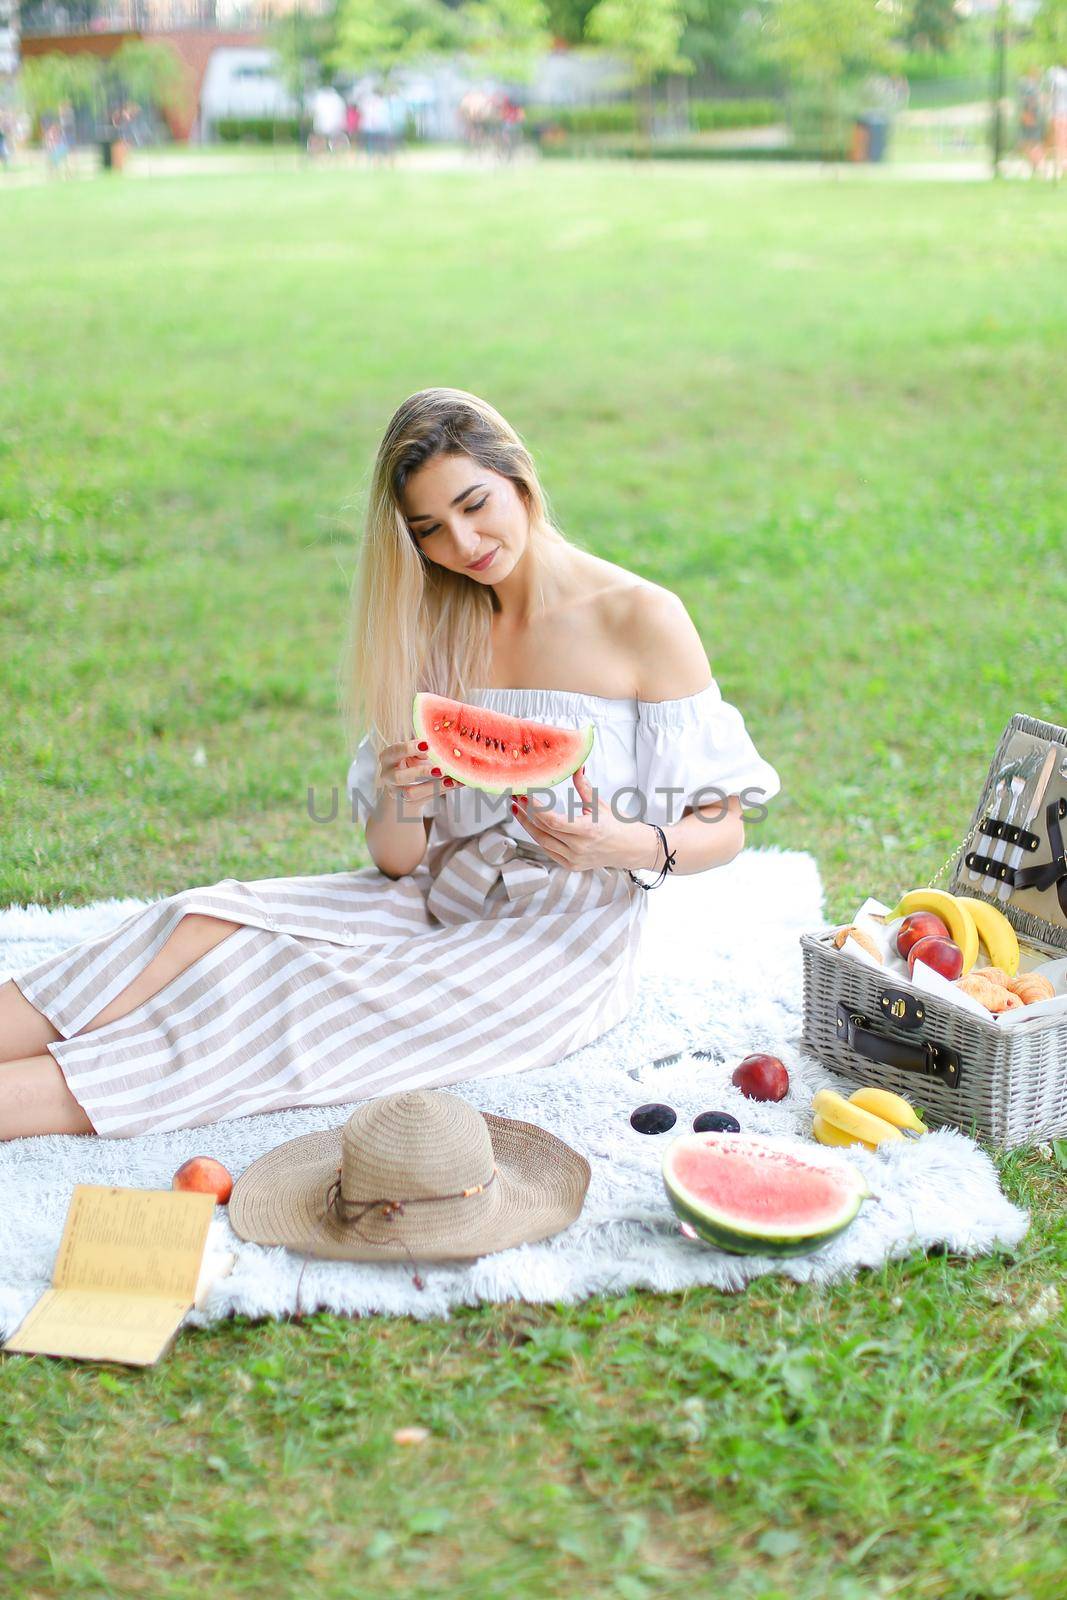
<point x="396" y="122"/>
<point x="56" y="150"/>
<point x="328" y="117"/>
<point x="375" y="125"/>
<point x="512" y="117"/>
<point x="1031" y="119"/>
<point x="66" y="124"/>
<point x="1056" y="103"/>
<point x="474" y="110"/>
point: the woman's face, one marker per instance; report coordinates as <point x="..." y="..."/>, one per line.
<point x="459" y="512"/>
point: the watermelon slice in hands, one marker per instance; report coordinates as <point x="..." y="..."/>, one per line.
<point x="487" y="750"/>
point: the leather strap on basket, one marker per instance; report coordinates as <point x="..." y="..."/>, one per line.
<point x="1040" y="877"/>
<point x="928" y="1056"/>
<point x="1054" y="871"/>
<point x="995" y="828"/>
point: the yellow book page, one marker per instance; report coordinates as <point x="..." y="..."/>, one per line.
<point x="125" y="1275"/>
<point x="97" y="1325"/>
<point x="143" y="1241"/>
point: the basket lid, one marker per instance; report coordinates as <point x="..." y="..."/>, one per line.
<point x="1025" y="789"/>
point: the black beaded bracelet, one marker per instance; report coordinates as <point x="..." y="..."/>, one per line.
<point x="668" y="864"/>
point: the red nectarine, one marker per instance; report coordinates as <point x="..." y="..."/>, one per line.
<point x="761" y="1077"/>
<point x="920" y="925"/>
<point x="204" y="1175"/>
<point x="944" y="955"/>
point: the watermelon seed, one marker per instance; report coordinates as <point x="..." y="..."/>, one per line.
<point x="455" y="752"/>
<point x="515" y="753"/>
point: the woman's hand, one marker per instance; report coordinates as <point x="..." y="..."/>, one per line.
<point x="585" y="842"/>
<point x="409" y="780"/>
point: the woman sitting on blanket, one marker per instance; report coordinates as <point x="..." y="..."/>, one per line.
<point x="474" y="945"/>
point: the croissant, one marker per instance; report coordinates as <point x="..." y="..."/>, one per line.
<point x="991" y="995"/>
<point x="993" y="975"/>
<point x="1031" y="987"/>
<point x="860" y="937"/>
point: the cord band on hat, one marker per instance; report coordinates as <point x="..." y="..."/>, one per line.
<point x="391" y="1209"/>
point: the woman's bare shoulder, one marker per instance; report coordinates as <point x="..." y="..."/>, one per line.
<point x="646" y="633"/>
<point x="630" y="604"/>
<point x="667" y="652"/>
<point x="616" y="594"/>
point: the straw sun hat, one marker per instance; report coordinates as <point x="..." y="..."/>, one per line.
<point x="416" y="1176"/>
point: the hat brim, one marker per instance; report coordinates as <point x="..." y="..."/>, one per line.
<point x="539" y="1189"/>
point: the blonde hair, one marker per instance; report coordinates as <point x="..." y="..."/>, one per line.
<point x="414" y="625"/>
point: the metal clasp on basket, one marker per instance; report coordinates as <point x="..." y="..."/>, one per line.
<point x="905" y="1009"/>
<point x="854" y="1032"/>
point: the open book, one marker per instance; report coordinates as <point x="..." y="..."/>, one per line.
<point x="131" y="1263"/>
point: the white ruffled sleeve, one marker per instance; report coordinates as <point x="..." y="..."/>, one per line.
<point x="693" y="752"/>
<point x="362" y="781"/>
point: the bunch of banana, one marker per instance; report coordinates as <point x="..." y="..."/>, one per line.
<point x="995" y="932"/>
<point x="968" y="920"/>
<point x="869" y="1117"/>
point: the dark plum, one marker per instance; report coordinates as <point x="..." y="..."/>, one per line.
<point x="716" y="1122"/>
<point x="653" y="1118"/>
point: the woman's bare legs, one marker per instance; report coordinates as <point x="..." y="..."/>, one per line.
<point x="34" y="1097"/>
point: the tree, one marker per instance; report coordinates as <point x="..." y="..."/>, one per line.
<point x="1050" y="32"/>
<point x="646" y="33"/>
<point x="821" y="44"/>
<point x="721" y="34"/>
<point x="304" y="45"/>
<point x="931" y="26"/>
<point x="506" y="35"/>
<point x="566" y="19"/>
<point x="47" y="81"/>
<point x="825" y="41"/>
<point x="142" y="71"/>
<point x="382" y="35"/>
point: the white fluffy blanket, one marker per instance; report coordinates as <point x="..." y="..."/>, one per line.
<point x="722" y="977"/>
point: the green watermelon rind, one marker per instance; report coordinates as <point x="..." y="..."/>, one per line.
<point x="727" y="1233"/>
<point x="518" y="783"/>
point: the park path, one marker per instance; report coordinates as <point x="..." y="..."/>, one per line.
<point x="31" y="167"/>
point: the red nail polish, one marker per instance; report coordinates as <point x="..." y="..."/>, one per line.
<point x="435" y="772"/>
<point x="424" y="746"/>
<point x="448" y="783"/>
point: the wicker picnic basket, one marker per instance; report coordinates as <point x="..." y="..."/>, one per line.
<point x="1007" y="1084"/>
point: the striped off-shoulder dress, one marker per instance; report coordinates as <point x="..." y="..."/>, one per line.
<point x="489" y="958"/>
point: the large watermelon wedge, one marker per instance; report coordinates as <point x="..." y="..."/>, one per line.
<point x="751" y="1197"/>
<point x="487" y="750"/>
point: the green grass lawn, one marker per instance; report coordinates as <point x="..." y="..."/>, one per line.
<point x="830" y="417"/>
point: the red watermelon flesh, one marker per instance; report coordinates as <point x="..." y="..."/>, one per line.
<point x="751" y="1197"/>
<point x="490" y="751"/>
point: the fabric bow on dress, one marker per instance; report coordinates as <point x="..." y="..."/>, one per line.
<point x="462" y="885"/>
